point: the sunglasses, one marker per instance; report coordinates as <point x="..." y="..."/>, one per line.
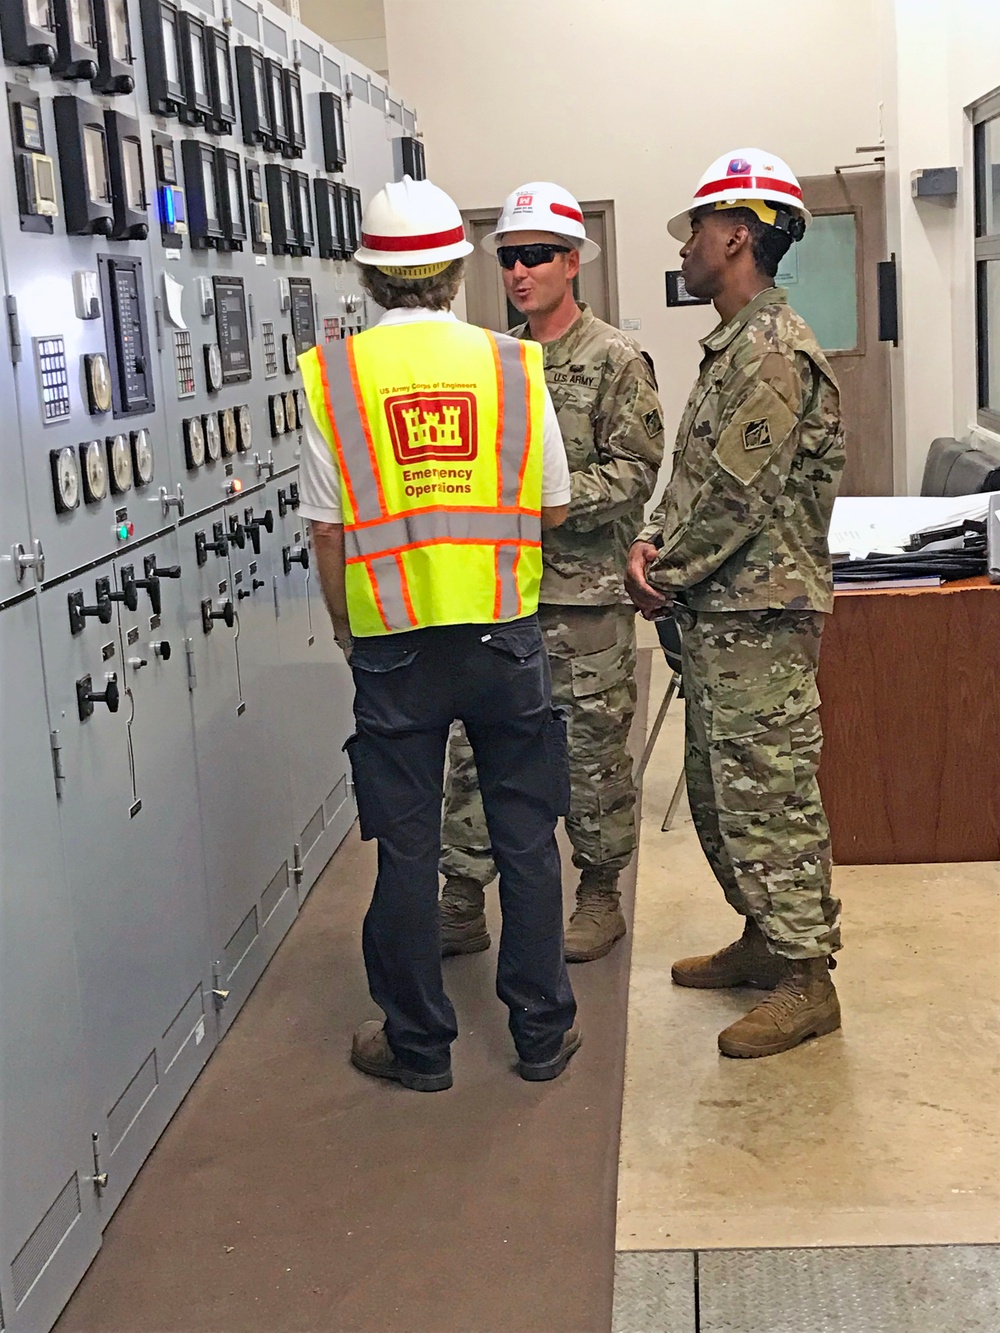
<point x="531" y="256"/>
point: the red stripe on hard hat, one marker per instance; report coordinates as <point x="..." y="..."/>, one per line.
<point x="767" y="185"/>
<point x="432" y="241"/>
<point x="564" y="211"/>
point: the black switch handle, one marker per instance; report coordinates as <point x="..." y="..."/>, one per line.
<point x="237" y="532"/>
<point x="153" y="570"/>
<point x="87" y="696"/>
<point x="78" y="613"/>
<point x="226" y="612"/>
<point x="162" y="649"/>
<point x="129" y="591"/>
<point x="294" y="555"/>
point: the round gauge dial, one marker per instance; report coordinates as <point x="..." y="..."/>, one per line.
<point x="213" y="436"/>
<point x="94" y="467"/>
<point x="227" y="420"/>
<point x="65" y="479"/>
<point x="194" y="442"/>
<point x="291" y="411"/>
<point x="244" y="427"/>
<point x="213" y="366"/>
<point x="277" y="415"/>
<point x="119" y="463"/>
<point x="142" y="457"/>
<point x="98" y="375"/>
<point x="290" y="355"/>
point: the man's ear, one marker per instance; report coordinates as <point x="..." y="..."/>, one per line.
<point x="573" y="263"/>
<point x="739" y="240"/>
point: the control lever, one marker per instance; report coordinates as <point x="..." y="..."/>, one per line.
<point x="237" y="532"/>
<point x="226" y="612"/>
<point x="241" y="593"/>
<point x="162" y="649"/>
<point x="176" y="501"/>
<point x="258" y="583"/>
<point x="294" y="555"/>
<point x="202" y="545"/>
<point x="129" y="593"/>
<point x="23" y="561"/>
<point x="78" y="613"/>
<point x="154" y="571"/>
<point x="86" y="696"/>
<point x="152" y="586"/>
<point x="289" y="500"/>
<point x="261" y="463"/>
<point x="254" y="525"/>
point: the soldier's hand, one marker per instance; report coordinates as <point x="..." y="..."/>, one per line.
<point x="641" y="555"/>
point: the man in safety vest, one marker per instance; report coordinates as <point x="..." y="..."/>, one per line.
<point x="609" y="414"/>
<point x="739" y="543"/>
<point x="433" y="460"/>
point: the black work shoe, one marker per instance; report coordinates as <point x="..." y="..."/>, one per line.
<point x="542" y="1070"/>
<point x="372" y="1054"/>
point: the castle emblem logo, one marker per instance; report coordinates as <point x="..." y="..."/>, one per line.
<point x="426" y="427"/>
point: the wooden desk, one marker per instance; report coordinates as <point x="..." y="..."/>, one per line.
<point x="911" y="716"/>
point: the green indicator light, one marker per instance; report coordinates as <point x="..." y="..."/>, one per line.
<point x="122" y="532"/>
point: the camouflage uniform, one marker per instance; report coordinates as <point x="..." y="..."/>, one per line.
<point x="742" y="530"/>
<point x="610" y="419"/>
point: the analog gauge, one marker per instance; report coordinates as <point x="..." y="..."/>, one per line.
<point x="213" y="436"/>
<point x="277" y="414"/>
<point x="119" y="463"/>
<point x="98" y="377"/>
<point x="194" y="442"/>
<point x="142" y="457"/>
<point x="244" y="428"/>
<point x="94" y="467"/>
<point x="291" y="411"/>
<point x="213" y="367"/>
<point x="291" y="356"/>
<point x="227" y="421"/>
<point x="65" y="479"/>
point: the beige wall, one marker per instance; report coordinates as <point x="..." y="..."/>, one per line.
<point x="631" y="100"/>
<point x="940" y="56"/>
<point x="356" y="27"/>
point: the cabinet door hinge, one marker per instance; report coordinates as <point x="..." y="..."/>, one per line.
<point x="220" y="993"/>
<point x="55" y="745"/>
<point x="99" y="1179"/>
<point x="13" y="329"/>
<point x="298" y="869"/>
<point x="189" y="658"/>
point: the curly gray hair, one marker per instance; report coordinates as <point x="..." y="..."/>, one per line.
<point x="394" y="293"/>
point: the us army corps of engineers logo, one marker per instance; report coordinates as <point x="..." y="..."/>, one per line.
<point x="425" y="427"/>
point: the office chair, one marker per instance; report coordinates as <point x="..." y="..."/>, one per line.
<point x="670" y="641"/>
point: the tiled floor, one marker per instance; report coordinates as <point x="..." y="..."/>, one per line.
<point x="887" y="1133"/>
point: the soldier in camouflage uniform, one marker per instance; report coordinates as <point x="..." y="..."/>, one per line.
<point x="739" y="544"/>
<point x="609" y="415"/>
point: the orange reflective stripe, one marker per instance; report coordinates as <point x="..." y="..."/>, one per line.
<point x="367" y="557"/>
<point x="507" y="599"/>
<point x="375" y="593"/>
<point x="365" y="423"/>
<point x="529" y="436"/>
<point x="498" y="367"/>
<point x="406" y="589"/>
<point x="337" y="443"/>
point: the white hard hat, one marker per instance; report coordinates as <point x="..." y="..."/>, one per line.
<point x="542" y="206"/>
<point x="744" y="177"/>
<point x="411" y="228"/>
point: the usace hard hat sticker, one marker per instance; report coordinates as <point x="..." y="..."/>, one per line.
<point x="751" y="177"/>
<point x="739" y="166"/>
<point x="545" y="207"/>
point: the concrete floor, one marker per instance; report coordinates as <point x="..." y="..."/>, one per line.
<point x="887" y="1133"/>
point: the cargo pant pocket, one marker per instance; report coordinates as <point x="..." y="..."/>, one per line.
<point x="374" y="814"/>
<point x="557" y="764"/>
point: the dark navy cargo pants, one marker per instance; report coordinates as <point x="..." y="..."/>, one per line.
<point x="409" y="688"/>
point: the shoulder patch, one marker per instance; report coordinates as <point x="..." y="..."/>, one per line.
<point x="653" y="423"/>
<point x="757" y="430"/>
<point x="757" y="434"/>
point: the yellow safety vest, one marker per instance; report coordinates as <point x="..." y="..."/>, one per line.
<point x="436" y="429"/>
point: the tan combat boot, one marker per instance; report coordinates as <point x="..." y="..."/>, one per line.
<point x="748" y="962"/>
<point x="804" y="1004"/>
<point x="597" y="924"/>
<point x="463" y="917"/>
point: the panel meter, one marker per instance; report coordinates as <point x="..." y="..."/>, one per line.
<point x="294" y="113"/>
<point x="331" y="113"/>
<point x="303" y="212"/>
<point x="142" y="457"/>
<point x="28" y="30"/>
<point x="114" y="48"/>
<point x="97" y="379"/>
<point x="289" y="354"/>
<point x="291" y="411"/>
<point x="281" y="198"/>
<point x="194" y="443"/>
<point x="276" y="411"/>
<point x="161" y="41"/>
<point x="303" y="314"/>
<point x="84" y="167"/>
<point x="213" y="436"/>
<point x="169" y="194"/>
<point x="65" y="479"/>
<point x="213" y="367"/>
<point x="201" y="182"/>
<point x="34" y="169"/>
<point x="94" y="471"/>
<point x="408" y="158"/>
<point x="76" y="39"/>
<point x="128" y="178"/>
<point x="127" y="335"/>
<point x="119" y="463"/>
<point x="244" y="428"/>
<point x="227" y="427"/>
<point x="234" y="218"/>
<point x="260" y="213"/>
<point x="255" y="110"/>
<point x="232" y="330"/>
<point x="197" y="106"/>
<point x="220" y="71"/>
<point x="328" y="234"/>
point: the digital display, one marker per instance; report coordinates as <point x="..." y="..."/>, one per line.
<point x="303" y="314"/>
<point x="278" y="96"/>
<point x="135" y="193"/>
<point x="96" y="159"/>
<point x="231" y="326"/>
<point x="168" y="24"/>
<point x="197" y="37"/>
<point x="29" y="127"/>
<point x="211" y="194"/>
<point x="224" y="74"/>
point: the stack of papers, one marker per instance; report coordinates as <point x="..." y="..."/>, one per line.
<point x="907" y="541"/>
